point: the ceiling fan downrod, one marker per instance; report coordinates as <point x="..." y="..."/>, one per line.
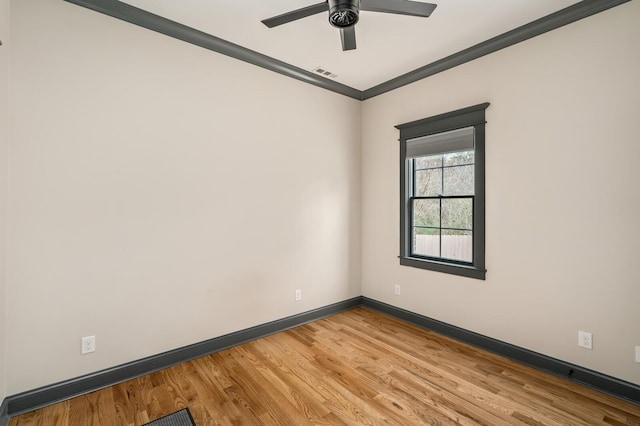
<point x="343" y="13"/>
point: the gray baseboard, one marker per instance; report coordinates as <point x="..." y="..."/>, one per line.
<point x="4" y="415"/>
<point x="37" y="398"/>
<point x="34" y="399"/>
<point x="619" y="388"/>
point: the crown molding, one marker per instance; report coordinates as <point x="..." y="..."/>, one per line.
<point x="140" y="17"/>
<point x="535" y="28"/>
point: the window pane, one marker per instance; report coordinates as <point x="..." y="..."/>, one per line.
<point x="457" y="213"/>
<point x="426" y="242"/>
<point x="458" y="158"/>
<point x="458" y="180"/>
<point x="428" y="183"/>
<point x="426" y="213"/>
<point x="457" y="245"/>
<point x="428" y="162"/>
<point x="426" y="227"/>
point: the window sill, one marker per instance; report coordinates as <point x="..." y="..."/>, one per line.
<point x="461" y="270"/>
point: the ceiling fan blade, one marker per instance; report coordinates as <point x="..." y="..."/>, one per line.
<point x="400" y="7"/>
<point x="348" y="37"/>
<point x="294" y="15"/>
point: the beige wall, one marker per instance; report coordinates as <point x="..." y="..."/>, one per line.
<point x="4" y="97"/>
<point x="562" y="194"/>
<point x="162" y="194"/>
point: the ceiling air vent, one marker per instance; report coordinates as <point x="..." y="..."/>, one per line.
<point x="324" y="72"/>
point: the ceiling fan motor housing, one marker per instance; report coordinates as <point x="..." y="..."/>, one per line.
<point x="343" y="13"/>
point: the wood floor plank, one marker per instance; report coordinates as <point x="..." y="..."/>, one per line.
<point x="455" y="407"/>
<point x="302" y="401"/>
<point x="436" y="371"/>
<point x="355" y="368"/>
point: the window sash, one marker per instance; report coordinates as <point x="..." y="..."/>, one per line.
<point x="441" y="170"/>
<point x="440" y="228"/>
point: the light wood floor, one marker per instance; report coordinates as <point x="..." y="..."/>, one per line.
<point x="357" y="367"/>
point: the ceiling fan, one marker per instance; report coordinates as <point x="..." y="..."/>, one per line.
<point x="344" y="14"/>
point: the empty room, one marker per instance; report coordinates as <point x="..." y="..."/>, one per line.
<point x="334" y="212"/>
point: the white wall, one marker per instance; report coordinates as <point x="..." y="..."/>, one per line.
<point x="562" y="194"/>
<point x="161" y="194"/>
<point x="4" y="96"/>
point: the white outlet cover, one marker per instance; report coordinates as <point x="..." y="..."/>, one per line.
<point x="637" y="353"/>
<point x="585" y="339"/>
<point x="88" y="344"/>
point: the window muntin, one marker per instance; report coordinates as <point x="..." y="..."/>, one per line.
<point x="442" y="192"/>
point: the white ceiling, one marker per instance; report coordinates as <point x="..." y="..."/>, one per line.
<point x="388" y="45"/>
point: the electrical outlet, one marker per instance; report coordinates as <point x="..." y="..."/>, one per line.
<point x="396" y="290"/>
<point x="88" y="344"/>
<point x="585" y="340"/>
<point x="637" y="353"/>
<point x="298" y="295"/>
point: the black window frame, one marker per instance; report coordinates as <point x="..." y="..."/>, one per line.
<point x="473" y="116"/>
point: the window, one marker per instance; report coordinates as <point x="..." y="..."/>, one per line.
<point x="442" y="192"/>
